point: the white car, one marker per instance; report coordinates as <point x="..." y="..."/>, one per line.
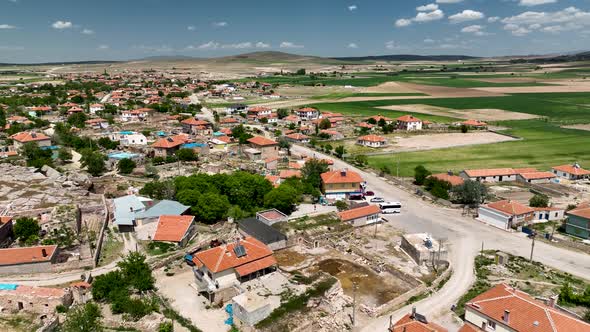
<point x="377" y="200"/>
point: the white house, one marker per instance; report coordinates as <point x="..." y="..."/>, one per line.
<point x="489" y="174"/>
<point x="308" y="113"/>
<point x="409" y="122"/>
<point x="505" y="214"/>
<point x="96" y="108"/>
<point x="127" y="138"/>
<point x="548" y="214"/>
<point x="372" y="141"/>
<point x="571" y="172"/>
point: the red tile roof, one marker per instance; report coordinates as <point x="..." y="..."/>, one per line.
<point x="341" y="177"/>
<point x="29" y="136"/>
<point x="582" y="210"/>
<point x="170" y="142"/>
<point x="25" y="255"/>
<point x="44" y="292"/>
<point x="223" y="257"/>
<point x="172" y="228"/>
<point x="408" y="118"/>
<point x="474" y="123"/>
<point x="490" y="172"/>
<point x="511" y="208"/>
<point x="572" y="169"/>
<point x="409" y="324"/>
<point x="379" y="117"/>
<point x="297" y="136"/>
<point x="372" y="138"/>
<point x="454" y="180"/>
<point x="537" y="175"/>
<point x="526" y="313"/>
<point x="262" y="141"/>
<point x="195" y="122"/>
<point x="359" y="212"/>
<point x="288" y="173"/>
<point x="257" y="265"/>
<point x="5" y="219"/>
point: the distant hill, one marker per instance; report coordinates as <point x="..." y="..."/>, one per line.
<point x="581" y="56"/>
<point x="408" y="57"/>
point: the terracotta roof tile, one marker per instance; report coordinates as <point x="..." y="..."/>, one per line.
<point x="454" y="180"/>
<point x="408" y="118"/>
<point x="341" y="177"/>
<point x="572" y="169"/>
<point x="26" y="255"/>
<point x="510" y="207"/>
<point x="262" y="141"/>
<point x="359" y="212"/>
<point x="537" y="175"/>
<point x="170" y="142"/>
<point x="29" y="136"/>
<point x="490" y="172"/>
<point x="372" y="138"/>
<point x="223" y="257"/>
<point x="172" y="228"/>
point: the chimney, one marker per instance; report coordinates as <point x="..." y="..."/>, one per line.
<point x="449" y="172"/>
<point x="506" y="316"/>
<point x="343" y="171"/>
<point x="553" y="300"/>
<point x="44" y="252"/>
<point x="413" y="312"/>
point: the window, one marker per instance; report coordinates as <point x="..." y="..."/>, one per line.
<point x="491" y="325"/>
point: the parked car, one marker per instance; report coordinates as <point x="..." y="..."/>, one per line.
<point x="369" y="193"/>
<point x="357" y="197"/>
<point x="377" y="200"/>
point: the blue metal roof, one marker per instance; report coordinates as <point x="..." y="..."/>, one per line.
<point x="126" y="207"/>
<point x="165" y="207"/>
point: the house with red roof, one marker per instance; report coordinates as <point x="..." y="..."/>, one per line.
<point x="267" y="147"/>
<point x="196" y="127"/>
<point x="175" y="229"/>
<point x="26" y="260"/>
<point x="98" y="123"/>
<point x="415" y="322"/>
<point x="340" y="184"/>
<point x="535" y="177"/>
<point x="361" y="216"/>
<point x="474" y="124"/>
<point x="24" y="137"/>
<point x="222" y="267"/>
<point x="578" y="221"/>
<point x="571" y="172"/>
<point x="140" y="114"/>
<point x="372" y="141"/>
<point x="454" y="180"/>
<point x="167" y="146"/>
<point x="409" y="122"/>
<point x="308" y="113"/>
<point x="298" y="138"/>
<point x="5" y="230"/>
<point x="16" y="298"/>
<point x="505" y="214"/>
<point x="489" y="174"/>
<point x="96" y="108"/>
<point x="377" y="118"/>
<point x="507" y="309"/>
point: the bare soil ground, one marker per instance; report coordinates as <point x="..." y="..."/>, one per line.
<point x="485" y="114"/>
<point x="389" y="87"/>
<point x="447" y="92"/>
<point x="438" y="141"/>
<point x="578" y="126"/>
<point x="558" y="86"/>
<point x="507" y="80"/>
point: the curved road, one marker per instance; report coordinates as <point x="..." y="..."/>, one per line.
<point x="464" y="237"/>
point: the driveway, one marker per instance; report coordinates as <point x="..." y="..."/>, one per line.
<point x="465" y="237"/>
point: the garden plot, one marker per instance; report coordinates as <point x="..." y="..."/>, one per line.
<point x="482" y="114"/>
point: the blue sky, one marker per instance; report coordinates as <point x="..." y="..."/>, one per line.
<point x="69" y="30"/>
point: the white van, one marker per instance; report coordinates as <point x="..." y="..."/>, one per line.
<point x="390" y="207"/>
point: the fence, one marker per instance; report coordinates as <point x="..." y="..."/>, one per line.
<point x="100" y="238"/>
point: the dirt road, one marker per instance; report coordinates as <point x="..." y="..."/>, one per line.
<point x="465" y="237"/>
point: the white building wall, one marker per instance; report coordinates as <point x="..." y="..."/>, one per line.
<point x="493" y="218"/>
<point x="478" y="319"/>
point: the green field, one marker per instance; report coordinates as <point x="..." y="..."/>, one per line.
<point x="544" y="145"/>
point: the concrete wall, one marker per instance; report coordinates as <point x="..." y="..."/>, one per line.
<point x="14" y="302"/>
<point x="249" y="318"/>
<point x="364" y="221"/>
<point x="40" y="267"/>
<point x="478" y="319"/>
<point x="493" y="218"/>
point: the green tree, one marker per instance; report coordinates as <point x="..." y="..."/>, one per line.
<point x="166" y="327"/>
<point x="186" y="155"/>
<point x="26" y="228"/>
<point x="328" y="148"/>
<point x="211" y="207"/>
<point x="64" y="154"/>
<point x="300" y="72"/>
<point x="35" y="156"/>
<point x="84" y="317"/>
<point x="341" y="205"/>
<point x="539" y="201"/>
<point x="2" y="118"/>
<point x="325" y="124"/>
<point x="94" y="162"/>
<point x="282" y="198"/>
<point x="340" y="151"/>
<point x="464" y="128"/>
<point x="361" y="159"/>
<point x="470" y="193"/>
<point x="159" y="190"/>
<point x="137" y="272"/>
<point x="78" y="119"/>
<point x="106" y="143"/>
<point x="439" y="191"/>
<point x="285" y="144"/>
<point x="420" y="174"/>
<point x="312" y="170"/>
<point x="126" y="166"/>
<point x="282" y="113"/>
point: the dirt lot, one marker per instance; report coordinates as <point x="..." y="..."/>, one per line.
<point x="389" y="87"/>
<point x="507" y="80"/>
<point x="559" y="86"/>
<point x="519" y="194"/>
<point x="579" y="127"/>
<point x="486" y="114"/>
<point x="447" y="92"/>
<point x="438" y="141"/>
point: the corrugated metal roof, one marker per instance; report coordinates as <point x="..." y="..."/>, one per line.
<point x="164" y="207"/>
<point x="126" y="207"/>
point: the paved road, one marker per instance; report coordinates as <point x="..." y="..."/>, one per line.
<point x="465" y="237"/>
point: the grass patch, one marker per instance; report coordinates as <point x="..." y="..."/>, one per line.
<point x="111" y="248"/>
<point x="155" y="248"/>
<point x="304" y="223"/>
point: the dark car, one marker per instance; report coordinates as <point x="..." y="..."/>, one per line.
<point x="358" y="197"/>
<point x="369" y="193"/>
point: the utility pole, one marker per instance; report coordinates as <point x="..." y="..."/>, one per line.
<point x="353" y="302"/>
<point x="481" y="252"/>
<point x="398" y="166"/>
<point x="534" y="235"/>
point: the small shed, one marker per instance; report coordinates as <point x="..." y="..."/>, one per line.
<point x="250" y="308"/>
<point x="264" y="233"/>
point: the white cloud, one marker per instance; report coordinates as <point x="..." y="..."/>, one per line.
<point x="427" y="8"/>
<point x="391" y="45"/>
<point x="262" y="45"/>
<point x="466" y="15"/>
<point x="220" y="24"/>
<point x="154" y="49"/>
<point x="476" y="30"/>
<point x="208" y="46"/>
<point x="62" y="25"/>
<point x="103" y="47"/>
<point x="403" y="22"/>
<point x="87" y="32"/>
<point x="352" y="8"/>
<point x="429" y="16"/>
<point x="286" y="44"/>
<point x="352" y="45"/>
<point x="530" y="3"/>
<point x="568" y="19"/>
<point x="6" y="27"/>
<point x="11" y="48"/>
<point x="493" y="19"/>
<point x="191" y="28"/>
<point x="429" y="41"/>
<point x="448" y="1"/>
